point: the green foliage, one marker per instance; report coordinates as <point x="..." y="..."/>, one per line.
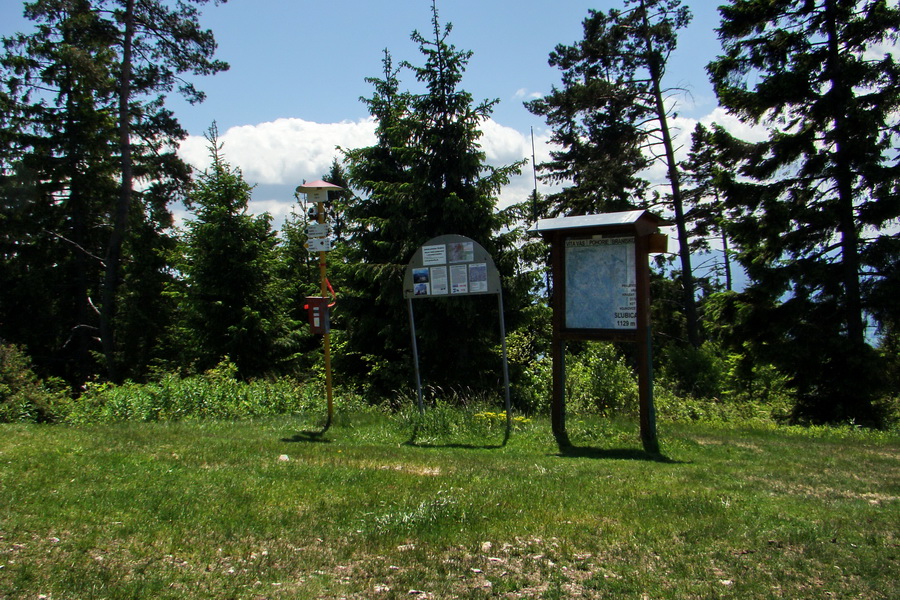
<point x="708" y="169"/>
<point x="213" y="395"/>
<point x="159" y="44"/>
<point x="697" y="372"/>
<point x="598" y="381"/>
<point x="425" y="176"/>
<point x="528" y="355"/>
<point x="811" y="206"/>
<point x="83" y="119"/>
<point x="711" y="384"/>
<point x="23" y="396"/>
<point x="232" y="302"/>
<point x="57" y="185"/>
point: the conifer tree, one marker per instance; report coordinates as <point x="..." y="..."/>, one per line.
<point x="611" y="120"/>
<point x="813" y="220"/>
<point x="708" y="170"/>
<point x="57" y="184"/>
<point x="157" y="44"/>
<point x="91" y="151"/>
<point x="425" y="176"/>
<point x="231" y="300"/>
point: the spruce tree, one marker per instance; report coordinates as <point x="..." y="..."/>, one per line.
<point x="231" y="300"/>
<point x="813" y="220"/>
<point x="157" y="45"/>
<point x="57" y="184"/>
<point x="425" y="176"/>
<point x="708" y="170"/>
<point x="89" y="158"/>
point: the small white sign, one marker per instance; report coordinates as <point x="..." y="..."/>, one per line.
<point x="434" y="255"/>
<point x="317" y="230"/>
<point x="318" y="244"/>
<point x="459" y="279"/>
<point x="439" y="280"/>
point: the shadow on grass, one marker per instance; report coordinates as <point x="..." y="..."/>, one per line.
<point x="310" y="436"/>
<point x="415" y="434"/>
<point x="569" y="451"/>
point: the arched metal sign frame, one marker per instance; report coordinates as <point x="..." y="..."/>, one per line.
<point x="450" y="266"/>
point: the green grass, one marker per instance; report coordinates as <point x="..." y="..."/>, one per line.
<point x="400" y="507"/>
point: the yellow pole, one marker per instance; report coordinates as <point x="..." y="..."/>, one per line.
<point x="320" y="207"/>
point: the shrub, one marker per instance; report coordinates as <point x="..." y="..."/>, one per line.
<point x="24" y="396"/>
<point x="697" y="372"/>
<point x="214" y="395"/>
<point x="599" y="381"/>
<point x="713" y="373"/>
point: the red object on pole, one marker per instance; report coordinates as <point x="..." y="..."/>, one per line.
<point x="317" y="308"/>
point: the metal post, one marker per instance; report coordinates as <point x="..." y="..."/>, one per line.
<point x="505" y="364"/>
<point x="415" y="348"/>
<point x="320" y="207"/>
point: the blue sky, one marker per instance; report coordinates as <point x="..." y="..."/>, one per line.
<point x="309" y="60"/>
<point x="298" y="69"/>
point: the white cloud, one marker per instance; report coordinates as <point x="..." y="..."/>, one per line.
<point x="287" y="151"/>
<point x="503" y="146"/>
<point x="734" y="126"/>
<point x="279" y="208"/>
<point x="523" y="93"/>
<point x="284" y="151"/>
<point x="279" y="155"/>
<point x="681" y="129"/>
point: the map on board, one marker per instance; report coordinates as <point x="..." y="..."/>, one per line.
<point x="600" y="283"/>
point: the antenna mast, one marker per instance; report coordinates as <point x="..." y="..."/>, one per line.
<point x="534" y="210"/>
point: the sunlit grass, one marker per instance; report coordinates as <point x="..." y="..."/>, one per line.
<point x="443" y="506"/>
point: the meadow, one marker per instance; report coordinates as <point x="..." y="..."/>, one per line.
<point x="396" y="505"/>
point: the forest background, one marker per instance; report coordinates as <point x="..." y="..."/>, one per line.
<point x="100" y="283"/>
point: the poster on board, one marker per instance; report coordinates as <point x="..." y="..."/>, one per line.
<point x="450" y="265"/>
<point x="600" y="283"/>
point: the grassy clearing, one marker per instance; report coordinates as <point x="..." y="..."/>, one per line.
<point x="397" y="507"/>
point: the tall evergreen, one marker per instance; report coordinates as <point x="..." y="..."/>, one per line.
<point x="813" y="221"/>
<point x="231" y="302"/>
<point x="157" y="45"/>
<point x="57" y="184"/>
<point x="425" y="176"/>
<point x="88" y="158"/>
<point x="708" y="170"/>
<point x="611" y="120"/>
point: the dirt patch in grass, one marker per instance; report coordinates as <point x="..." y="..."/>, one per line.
<point x="424" y="471"/>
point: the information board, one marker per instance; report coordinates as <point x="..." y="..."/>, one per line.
<point x="453" y="265"/>
<point x="600" y="283"/>
<point x="450" y="265"/>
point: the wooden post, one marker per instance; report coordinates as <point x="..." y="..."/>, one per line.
<point x="643" y="228"/>
<point x="317" y="191"/>
<point x="644" y="358"/>
<point x="558" y="344"/>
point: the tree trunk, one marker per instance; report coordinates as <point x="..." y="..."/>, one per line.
<point x="684" y="250"/>
<point x="120" y="216"/>
<point x="727" y="256"/>
<point x="853" y="313"/>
